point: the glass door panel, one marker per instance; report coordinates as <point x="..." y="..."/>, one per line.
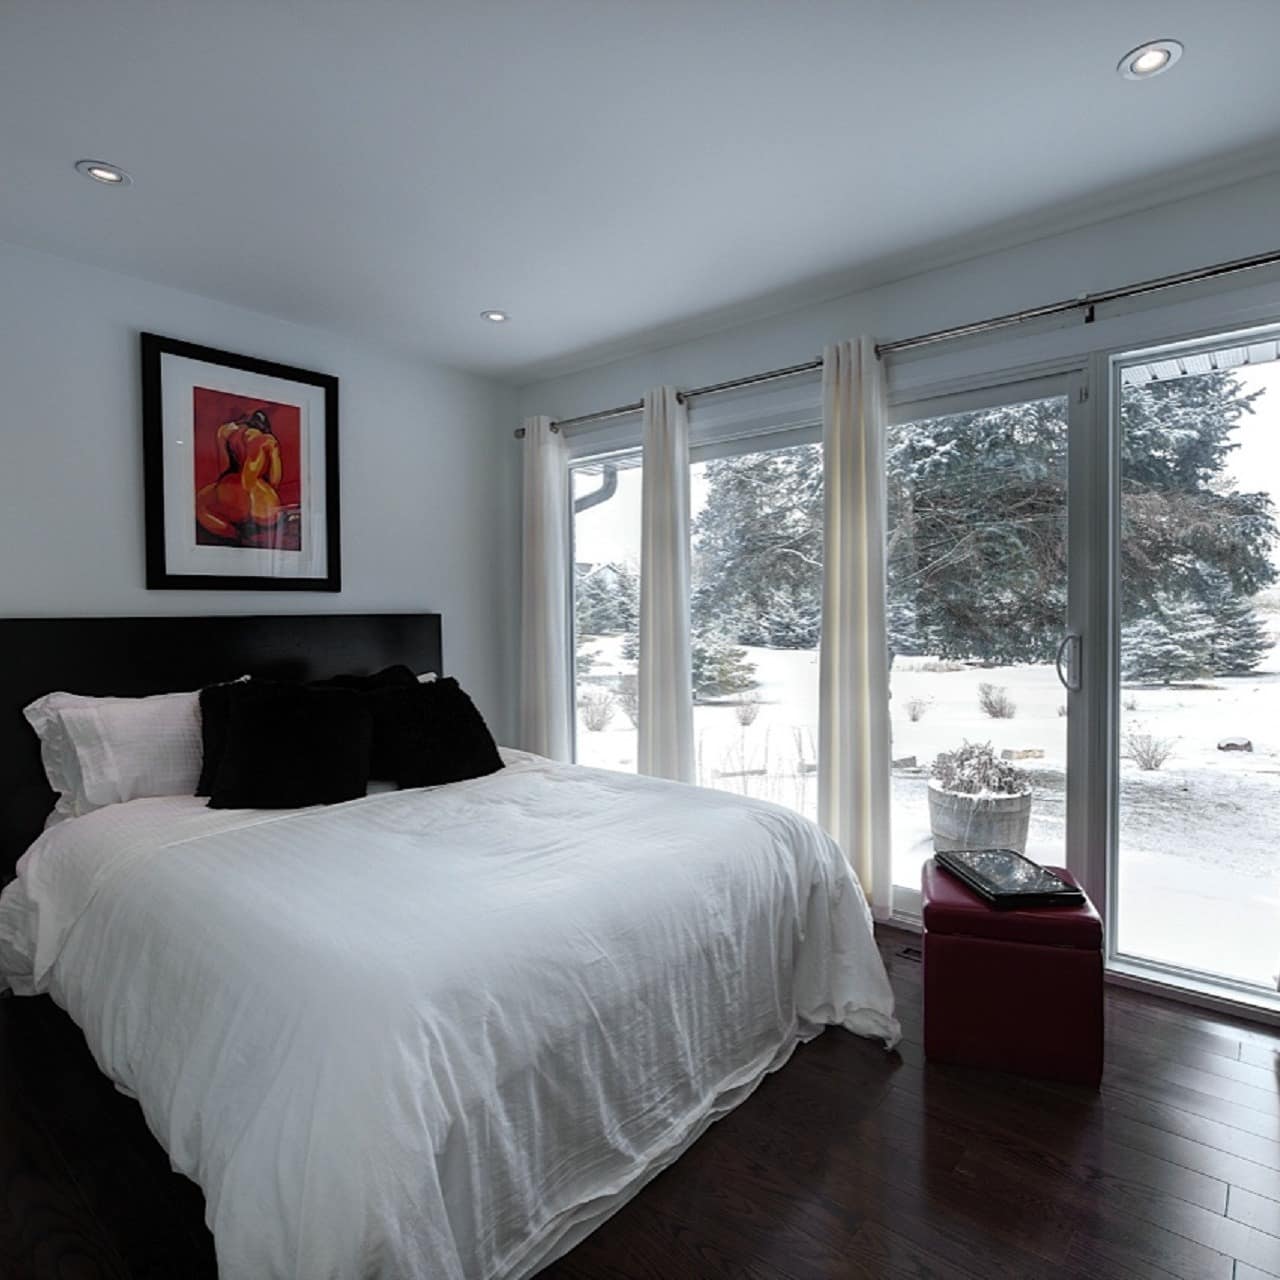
<point x="756" y="618"/>
<point x="977" y="600"/>
<point x="1196" y="883"/>
<point x="606" y="609"/>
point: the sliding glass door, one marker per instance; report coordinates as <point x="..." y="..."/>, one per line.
<point x="977" y="564"/>
<point x="1195" y="874"/>
<point x="1083" y="608"/>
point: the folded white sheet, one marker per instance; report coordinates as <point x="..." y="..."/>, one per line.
<point x="440" y="1033"/>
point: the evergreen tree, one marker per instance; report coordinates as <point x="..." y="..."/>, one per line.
<point x="1184" y="529"/>
<point x="976" y="554"/>
<point x="1241" y="638"/>
<point x="757" y="548"/>
<point x="977" y="530"/>
<point x="1173" y="642"/>
<point x="720" y="669"/>
<point x="606" y="598"/>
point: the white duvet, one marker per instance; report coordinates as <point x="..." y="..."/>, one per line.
<point x="440" y="1033"/>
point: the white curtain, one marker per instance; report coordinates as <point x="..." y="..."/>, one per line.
<point x="665" y="682"/>
<point x="853" y="731"/>
<point x="545" y="702"/>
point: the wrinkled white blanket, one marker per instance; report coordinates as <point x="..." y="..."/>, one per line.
<point x="440" y="1033"/>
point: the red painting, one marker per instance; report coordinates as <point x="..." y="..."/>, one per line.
<point x="248" y="471"/>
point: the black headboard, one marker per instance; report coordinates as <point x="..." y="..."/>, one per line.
<point x="135" y="656"/>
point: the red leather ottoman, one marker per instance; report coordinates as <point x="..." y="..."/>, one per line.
<point x="1011" y="990"/>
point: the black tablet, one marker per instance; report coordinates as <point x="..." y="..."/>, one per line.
<point x="1007" y="880"/>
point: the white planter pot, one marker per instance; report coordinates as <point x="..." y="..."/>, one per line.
<point x="978" y="822"/>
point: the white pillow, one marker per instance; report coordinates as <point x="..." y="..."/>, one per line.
<point x="101" y="751"/>
<point x="426" y="677"/>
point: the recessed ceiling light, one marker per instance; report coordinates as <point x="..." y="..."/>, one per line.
<point x="1149" y="59"/>
<point x="108" y="174"/>
<point x="495" y="317"/>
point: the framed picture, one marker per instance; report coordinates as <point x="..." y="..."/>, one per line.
<point x="240" y="471"/>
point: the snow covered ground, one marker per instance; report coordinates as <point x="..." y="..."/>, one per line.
<point x="1199" y="838"/>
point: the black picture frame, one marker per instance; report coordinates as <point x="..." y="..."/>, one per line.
<point x="154" y="347"/>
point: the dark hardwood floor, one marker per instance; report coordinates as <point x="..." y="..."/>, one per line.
<point x="849" y="1162"/>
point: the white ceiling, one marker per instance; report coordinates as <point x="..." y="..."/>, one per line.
<point x="600" y="168"/>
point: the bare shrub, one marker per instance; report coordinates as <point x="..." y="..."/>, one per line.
<point x="747" y="707"/>
<point x="1062" y="709"/>
<point x="916" y="707"/>
<point x="995" y="701"/>
<point x="1146" y="750"/>
<point x="597" y="709"/>
<point x="1130" y="703"/>
<point x="936" y="665"/>
<point x="629" y="697"/>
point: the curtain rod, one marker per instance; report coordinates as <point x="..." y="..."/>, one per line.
<point x="1085" y="302"/>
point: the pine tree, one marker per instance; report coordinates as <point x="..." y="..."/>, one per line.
<point x="1174" y="642"/>
<point x="1241" y="638"/>
<point x="976" y="552"/>
<point x="757" y="548"/>
<point x="606" y="598"/>
<point x="720" y="668"/>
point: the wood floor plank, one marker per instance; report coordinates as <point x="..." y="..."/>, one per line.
<point x="880" y="1252"/>
<point x="1163" y="1036"/>
<point x="1176" y="1013"/>
<point x="1011" y="1177"/>
<point x="1063" y="1115"/>
<point x="1086" y="1263"/>
<point x="1131" y="1243"/>
<point x="1124" y="1040"/>
<point x="1065" y="1149"/>
<point x="1212" y="1134"/>
<point x="1245" y="1272"/>
<point x="1148" y="1125"/>
<point x="1236" y="1081"/>
<point x="1119" y="1206"/>
<point x="1261" y="1055"/>
<point x="1254" y="1210"/>
<point x="1214" y="1106"/>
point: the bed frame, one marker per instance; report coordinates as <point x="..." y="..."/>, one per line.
<point x="136" y="656"/>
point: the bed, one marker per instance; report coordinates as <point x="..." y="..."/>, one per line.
<point x="442" y="1032"/>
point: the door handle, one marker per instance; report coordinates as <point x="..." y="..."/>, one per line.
<point x="1071" y="677"/>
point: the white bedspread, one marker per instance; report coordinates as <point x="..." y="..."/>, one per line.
<point x="440" y="1033"/>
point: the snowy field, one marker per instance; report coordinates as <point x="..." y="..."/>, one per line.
<point x="1200" y="861"/>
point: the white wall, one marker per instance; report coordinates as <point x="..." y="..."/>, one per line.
<point x="429" y="503"/>
<point x="1231" y="222"/>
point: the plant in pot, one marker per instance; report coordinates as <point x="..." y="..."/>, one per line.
<point x="977" y="801"/>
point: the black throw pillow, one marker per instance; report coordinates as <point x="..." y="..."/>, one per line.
<point x="382" y="750"/>
<point x="215" y="707"/>
<point x="288" y="746"/>
<point x="435" y="734"/>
